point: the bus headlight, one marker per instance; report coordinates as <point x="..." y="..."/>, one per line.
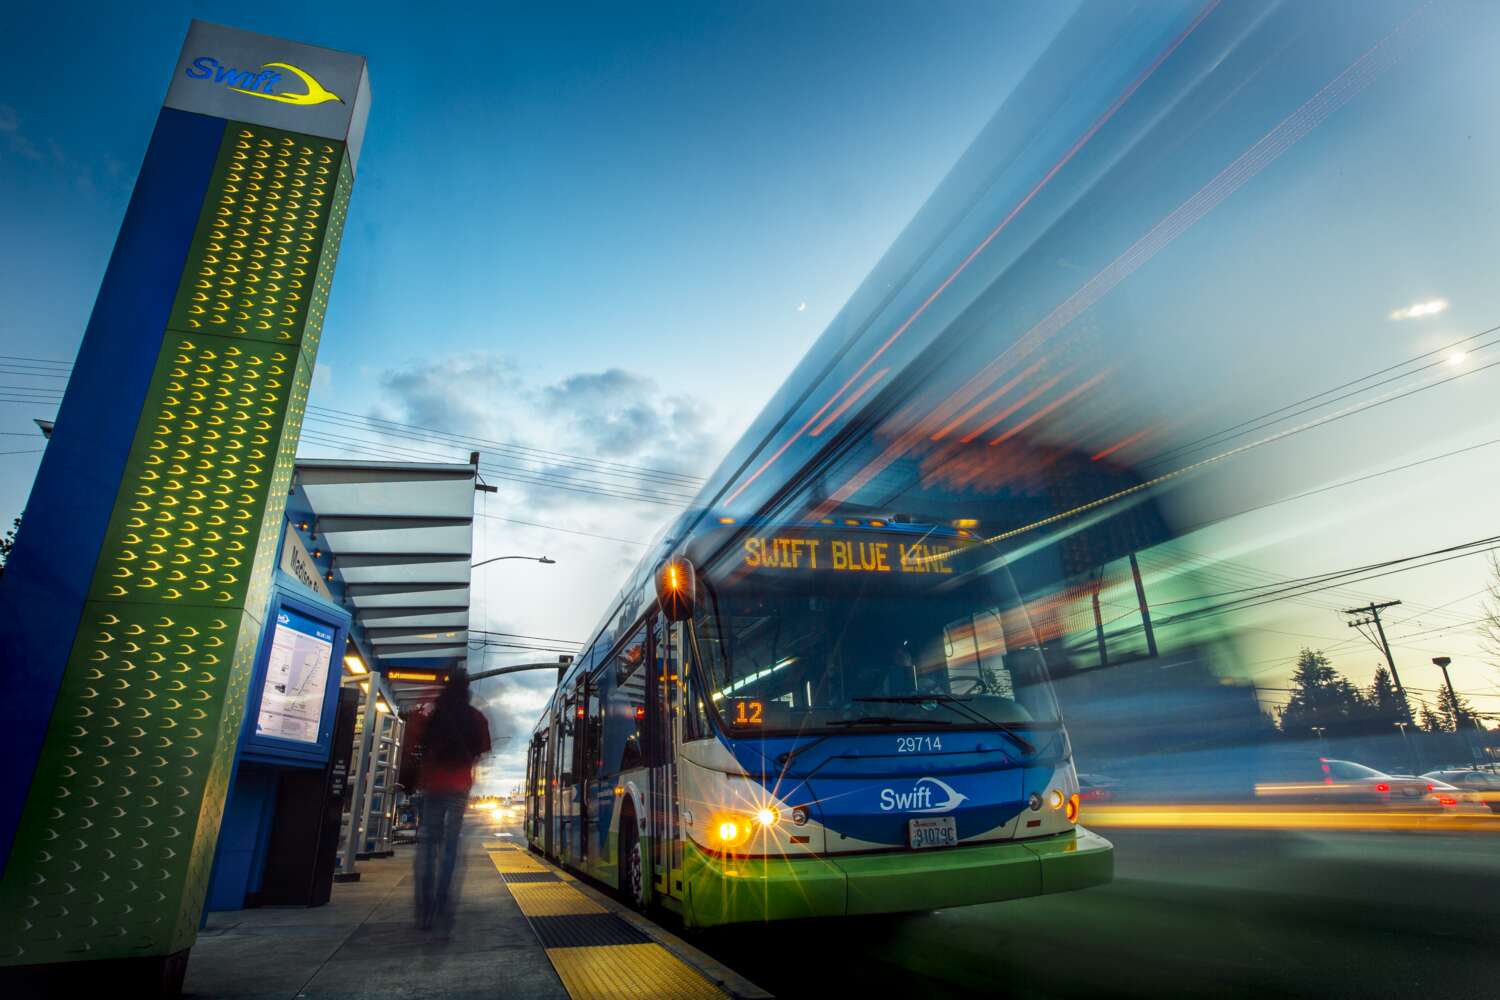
<point x="767" y="817"/>
<point x="1056" y="798"/>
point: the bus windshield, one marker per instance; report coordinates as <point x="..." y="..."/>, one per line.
<point x="901" y="645"/>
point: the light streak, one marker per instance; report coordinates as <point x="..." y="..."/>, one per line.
<point x="1312" y="112"/>
<point x="1072" y="151"/>
<point x="850" y="401"/>
<point x="1161" y="816"/>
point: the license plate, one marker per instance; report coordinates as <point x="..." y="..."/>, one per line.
<point x="940" y="831"/>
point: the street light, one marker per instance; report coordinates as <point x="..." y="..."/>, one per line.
<point x="1460" y="722"/>
<point x="544" y="560"/>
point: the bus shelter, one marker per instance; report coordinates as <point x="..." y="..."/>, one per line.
<point x="368" y="613"/>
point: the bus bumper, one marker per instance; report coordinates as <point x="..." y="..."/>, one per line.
<point x="736" y="890"/>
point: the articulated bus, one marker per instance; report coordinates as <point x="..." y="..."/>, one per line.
<point x="842" y="714"/>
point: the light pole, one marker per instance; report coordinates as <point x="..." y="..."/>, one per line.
<point x="1406" y="743"/>
<point x="545" y="561"/>
<point x="1460" y="722"/>
<point x="1320" y="730"/>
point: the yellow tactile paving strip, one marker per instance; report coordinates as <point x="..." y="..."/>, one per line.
<point x="551" y="899"/>
<point x="598" y="972"/>
<point x="628" y="970"/>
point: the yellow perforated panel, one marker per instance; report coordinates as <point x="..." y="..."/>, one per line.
<point x="115" y="846"/>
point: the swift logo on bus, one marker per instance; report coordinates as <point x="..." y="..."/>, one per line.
<point x="263" y="83"/>
<point x="920" y="798"/>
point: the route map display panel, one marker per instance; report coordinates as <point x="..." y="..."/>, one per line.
<point x="291" y="702"/>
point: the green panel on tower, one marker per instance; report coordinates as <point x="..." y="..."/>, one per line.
<point x="112" y="853"/>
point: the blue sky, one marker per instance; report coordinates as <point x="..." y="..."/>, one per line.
<point x="612" y="231"/>
<point x="605" y="229"/>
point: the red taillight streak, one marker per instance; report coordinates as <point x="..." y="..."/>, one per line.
<point x="1012" y="408"/>
<point x="1382" y="787"/>
<point x="1270" y="146"/>
<point x="848" y="402"/>
<point x="1119" y="445"/>
<point x="1078" y="144"/>
<point x="1062" y="400"/>
<point x="986" y="401"/>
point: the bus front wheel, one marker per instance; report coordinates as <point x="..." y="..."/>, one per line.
<point x="632" y="863"/>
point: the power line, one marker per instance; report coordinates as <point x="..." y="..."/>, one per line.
<point x="363" y="421"/>
<point x="510" y="446"/>
<point x="396" y="452"/>
<point x="1200" y="442"/>
<point x="532" y="638"/>
<point x="1314" y="584"/>
<point x="567" y="531"/>
<point x="592" y="467"/>
<point x="43" y="361"/>
<point x="1295" y="582"/>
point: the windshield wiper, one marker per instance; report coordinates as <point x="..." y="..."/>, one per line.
<point x="958" y="705"/>
<point x="885" y="720"/>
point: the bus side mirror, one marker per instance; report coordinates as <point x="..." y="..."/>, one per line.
<point x="676" y="589"/>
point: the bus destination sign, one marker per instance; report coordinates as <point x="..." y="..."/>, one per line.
<point x="845" y="555"/>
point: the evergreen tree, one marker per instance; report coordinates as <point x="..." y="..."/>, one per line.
<point x="1428" y="720"/>
<point x="1453" y="712"/>
<point x="9" y="542"/>
<point x="1321" y="696"/>
<point x="1385" y="702"/>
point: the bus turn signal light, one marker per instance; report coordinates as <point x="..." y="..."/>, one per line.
<point x="729" y="831"/>
<point x="1073" y="808"/>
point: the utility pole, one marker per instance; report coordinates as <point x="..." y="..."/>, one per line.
<point x="1373" y="613"/>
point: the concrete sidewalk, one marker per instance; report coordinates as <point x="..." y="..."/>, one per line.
<point x="364" y="942"/>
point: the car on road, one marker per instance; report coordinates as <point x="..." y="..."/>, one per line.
<point x="1349" y="782"/>
<point x="1097" y="788"/>
<point x="1472" y="785"/>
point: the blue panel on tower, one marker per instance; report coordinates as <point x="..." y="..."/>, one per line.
<point x="47" y="577"/>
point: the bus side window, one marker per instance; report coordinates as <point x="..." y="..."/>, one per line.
<point x="694" y="714"/>
<point x="625" y="707"/>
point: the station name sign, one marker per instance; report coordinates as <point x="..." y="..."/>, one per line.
<point x="245" y="77"/>
<point x="845" y="555"/>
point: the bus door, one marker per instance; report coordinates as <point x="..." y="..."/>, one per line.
<point x="548" y="779"/>
<point x="566" y="793"/>
<point x="666" y="846"/>
<point x="588" y="765"/>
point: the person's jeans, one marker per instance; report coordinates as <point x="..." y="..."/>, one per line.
<point x="437" y="856"/>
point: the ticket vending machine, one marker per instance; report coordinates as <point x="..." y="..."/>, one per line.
<point x="292" y="764"/>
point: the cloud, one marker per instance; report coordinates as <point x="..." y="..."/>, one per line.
<point x="582" y="436"/>
<point x="609" y="419"/>
<point x="15" y="140"/>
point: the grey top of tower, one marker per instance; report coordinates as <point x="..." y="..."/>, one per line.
<point x="264" y="80"/>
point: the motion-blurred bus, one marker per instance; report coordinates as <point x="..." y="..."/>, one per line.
<point x="849" y="713"/>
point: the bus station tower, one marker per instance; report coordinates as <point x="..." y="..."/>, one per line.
<point x="130" y="607"/>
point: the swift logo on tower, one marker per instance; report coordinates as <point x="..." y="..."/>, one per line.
<point x="263" y="83"/>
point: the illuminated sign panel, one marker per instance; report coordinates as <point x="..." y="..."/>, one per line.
<point x="845" y="555"/>
<point x="265" y="84"/>
<point x="291" y="699"/>
<point x="423" y="676"/>
<point x="261" y="80"/>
